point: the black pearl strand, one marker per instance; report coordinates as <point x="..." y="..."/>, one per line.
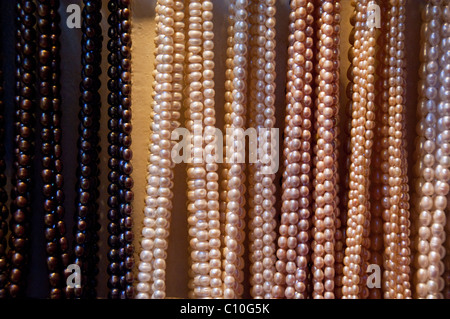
<point x="120" y="256"/>
<point x="52" y="178"/>
<point x="3" y="195"/>
<point x="24" y="146"/>
<point x="125" y="154"/>
<point x="113" y="152"/>
<point x="86" y="220"/>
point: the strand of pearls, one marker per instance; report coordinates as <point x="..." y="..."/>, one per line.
<point x="261" y="180"/>
<point x="442" y="156"/>
<point x="234" y="235"/>
<point x="358" y="216"/>
<point x="346" y="148"/>
<point x="292" y="267"/>
<point x="325" y="161"/>
<point x="203" y="193"/>
<point x="212" y="177"/>
<point x="378" y="185"/>
<point x="196" y="173"/>
<point x="426" y="146"/>
<point x="445" y="78"/>
<point x="167" y="96"/>
<point x="405" y="229"/>
<point x="396" y="216"/>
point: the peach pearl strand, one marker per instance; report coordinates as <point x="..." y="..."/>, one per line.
<point x="362" y="140"/>
<point x="396" y="218"/>
<point x="426" y="141"/>
<point x="262" y="118"/>
<point x="379" y="165"/>
<point x="445" y="80"/>
<point x="157" y="212"/>
<point x="293" y="244"/>
<point x="346" y="158"/>
<point x="325" y="170"/>
<point x="233" y="262"/>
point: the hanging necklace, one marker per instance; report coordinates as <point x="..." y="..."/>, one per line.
<point x="86" y="222"/>
<point x="52" y="178"/>
<point x="346" y="149"/>
<point x="358" y="216"/>
<point x="24" y="146"/>
<point x="444" y="94"/>
<point x="120" y="241"/>
<point x="167" y="98"/>
<point x="113" y="150"/>
<point x="203" y="196"/>
<point x="325" y="150"/>
<point x="4" y="213"/>
<point x="394" y="166"/>
<point x="236" y="96"/>
<point x="262" y="118"/>
<point x="432" y="183"/>
<point x="292" y="267"/>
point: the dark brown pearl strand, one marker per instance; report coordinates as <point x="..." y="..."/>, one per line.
<point x="24" y="145"/>
<point x="3" y="195"/>
<point x="86" y="223"/>
<point x="52" y="178"/>
<point x="113" y="150"/>
<point x="125" y="154"/>
<point x="121" y="237"/>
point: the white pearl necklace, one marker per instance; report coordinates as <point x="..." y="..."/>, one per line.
<point x="262" y="110"/>
<point x="167" y="94"/>
<point x="433" y="152"/>
<point x="203" y="196"/>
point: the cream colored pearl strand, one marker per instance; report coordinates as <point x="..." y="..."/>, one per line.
<point x="196" y="173"/>
<point x="443" y="140"/>
<point x="363" y="116"/>
<point x="445" y="80"/>
<point x="325" y="170"/>
<point x="293" y="244"/>
<point x="167" y="97"/>
<point x="262" y="119"/>
<point x="425" y="185"/>
<point x="234" y="235"/>
<point x="203" y="194"/>
<point x="212" y="177"/>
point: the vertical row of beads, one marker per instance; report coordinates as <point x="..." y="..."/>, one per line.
<point x="86" y="225"/>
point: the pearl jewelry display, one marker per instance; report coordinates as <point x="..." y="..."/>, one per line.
<point x="335" y="221"/>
